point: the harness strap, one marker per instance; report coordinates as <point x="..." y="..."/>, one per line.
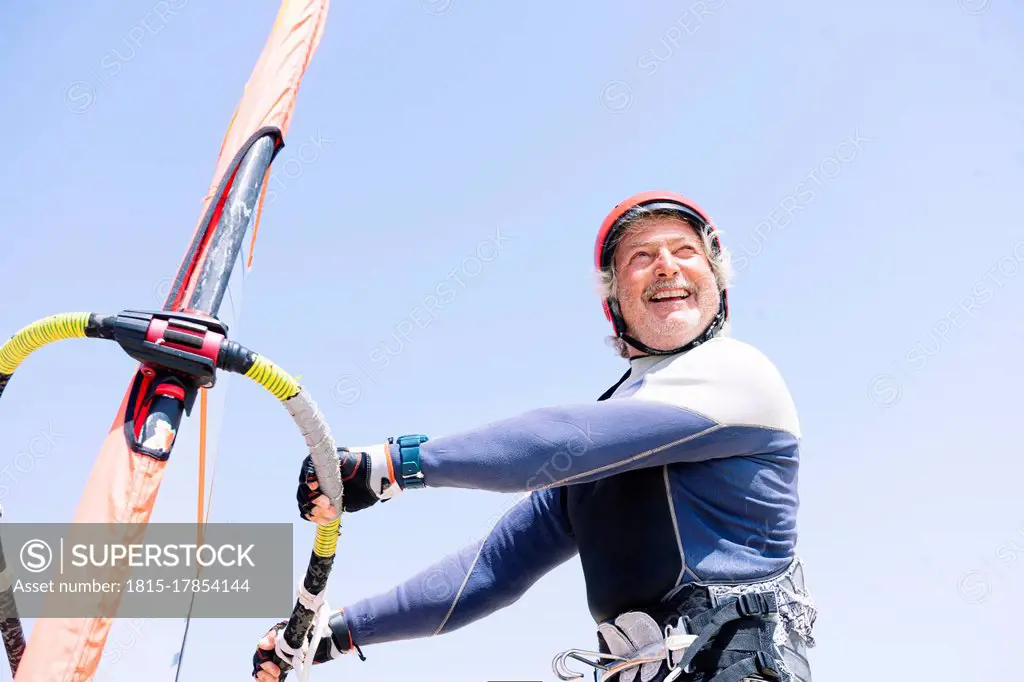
<point x="758" y="664"/>
<point x="710" y="623"/>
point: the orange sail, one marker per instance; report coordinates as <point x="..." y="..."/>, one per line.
<point x="123" y="485"/>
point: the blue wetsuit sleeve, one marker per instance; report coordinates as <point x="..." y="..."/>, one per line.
<point x="530" y="539"/>
<point x="727" y="401"/>
<point x="571" y="444"/>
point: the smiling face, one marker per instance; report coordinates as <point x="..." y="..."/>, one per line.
<point x="665" y="286"/>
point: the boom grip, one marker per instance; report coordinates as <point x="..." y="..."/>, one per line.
<point x="320" y="443"/>
<point x="324" y="453"/>
<point x="315" y="582"/>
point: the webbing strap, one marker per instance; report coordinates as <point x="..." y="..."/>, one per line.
<point x="708" y="624"/>
<point x="758" y="664"/>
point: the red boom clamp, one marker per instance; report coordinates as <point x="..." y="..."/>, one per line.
<point x="180" y="342"/>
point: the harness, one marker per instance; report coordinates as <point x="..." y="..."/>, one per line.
<point x="707" y="633"/>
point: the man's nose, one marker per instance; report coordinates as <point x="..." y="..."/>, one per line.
<point x="665" y="265"/>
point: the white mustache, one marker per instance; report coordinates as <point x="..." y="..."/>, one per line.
<point x="682" y="283"/>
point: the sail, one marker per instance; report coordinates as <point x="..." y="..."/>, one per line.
<point x="127" y="476"/>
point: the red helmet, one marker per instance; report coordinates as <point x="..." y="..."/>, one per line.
<point x="651" y="200"/>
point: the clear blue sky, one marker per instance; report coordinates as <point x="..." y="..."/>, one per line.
<point x="441" y="123"/>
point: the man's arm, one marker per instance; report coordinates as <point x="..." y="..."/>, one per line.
<point x="723" y="399"/>
<point x="529" y="540"/>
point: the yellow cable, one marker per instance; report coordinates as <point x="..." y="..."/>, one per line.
<point x="38" y="334"/>
<point x="273" y="378"/>
<point x="326" y="542"/>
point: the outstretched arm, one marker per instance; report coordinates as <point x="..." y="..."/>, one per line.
<point x="722" y="399"/>
<point x="530" y="539"/>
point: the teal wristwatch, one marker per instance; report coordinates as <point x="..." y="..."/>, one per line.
<point x="409" y="456"/>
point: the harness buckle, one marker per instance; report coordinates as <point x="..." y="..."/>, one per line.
<point x="755" y="604"/>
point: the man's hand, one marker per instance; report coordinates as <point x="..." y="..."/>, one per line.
<point x="368" y="477"/>
<point x="266" y="662"/>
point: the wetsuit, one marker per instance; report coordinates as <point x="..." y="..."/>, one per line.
<point x="683" y="474"/>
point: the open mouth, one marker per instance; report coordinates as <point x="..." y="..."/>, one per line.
<point x="670" y="295"/>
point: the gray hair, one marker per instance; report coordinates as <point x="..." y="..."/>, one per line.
<point x="640" y="217"/>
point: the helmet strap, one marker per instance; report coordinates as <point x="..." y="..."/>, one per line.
<point x="709" y="333"/>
